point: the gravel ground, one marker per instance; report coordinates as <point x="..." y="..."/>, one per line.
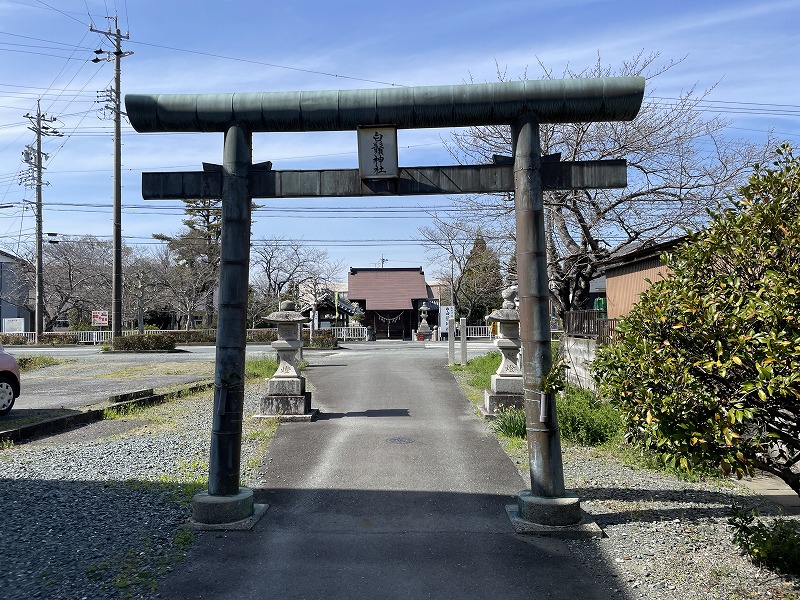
<point x="95" y="513"/>
<point x="665" y="538"/>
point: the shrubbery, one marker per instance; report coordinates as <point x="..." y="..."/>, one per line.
<point x="510" y="422"/>
<point x="258" y="336"/>
<point x="585" y="420"/>
<point x="10" y="339"/>
<point x="192" y="336"/>
<point x="146" y="342"/>
<point x="323" y="338"/>
<point x="707" y="371"/>
<point x="773" y="545"/>
<point x="60" y="339"/>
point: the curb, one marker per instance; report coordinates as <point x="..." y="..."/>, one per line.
<point x="139" y="398"/>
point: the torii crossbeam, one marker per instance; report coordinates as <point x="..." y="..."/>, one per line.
<point x="545" y="508"/>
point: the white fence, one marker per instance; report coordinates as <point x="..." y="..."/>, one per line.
<point x="476" y="332"/>
<point x="350" y="333"/>
<point x="342" y="333"/>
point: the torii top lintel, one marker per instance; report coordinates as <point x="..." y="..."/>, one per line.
<point x="550" y="100"/>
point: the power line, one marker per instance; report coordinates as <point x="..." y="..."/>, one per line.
<point x="273" y="65"/>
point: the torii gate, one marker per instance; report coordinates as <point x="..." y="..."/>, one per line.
<point x="523" y="105"/>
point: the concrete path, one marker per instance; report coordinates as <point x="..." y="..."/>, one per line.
<point x="397" y="491"/>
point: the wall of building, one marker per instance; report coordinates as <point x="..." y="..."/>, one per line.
<point x="625" y="284"/>
<point x="579" y="352"/>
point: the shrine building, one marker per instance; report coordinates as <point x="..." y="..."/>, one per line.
<point x="391" y="299"/>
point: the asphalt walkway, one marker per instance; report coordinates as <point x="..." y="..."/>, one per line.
<point x="396" y="491"/>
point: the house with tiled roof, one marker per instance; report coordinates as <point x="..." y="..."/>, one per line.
<point x="391" y="299"/>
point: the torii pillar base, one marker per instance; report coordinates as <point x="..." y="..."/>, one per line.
<point x="560" y="517"/>
<point x="234" y="512"/>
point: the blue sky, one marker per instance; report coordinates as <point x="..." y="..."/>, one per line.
<point x="747" y="52"/>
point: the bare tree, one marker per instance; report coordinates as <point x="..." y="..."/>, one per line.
<point x="680" y="164"/>
<point x="142" y="291"/>
<point x="471" y="269"/>
<point x="290" y="270"/>
<point x="77" y="278"/>
<point x="185" y="288"/>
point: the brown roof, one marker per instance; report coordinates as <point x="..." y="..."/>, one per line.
<point x="386" y="289"/>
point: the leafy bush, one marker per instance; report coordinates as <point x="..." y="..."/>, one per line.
<point x="192" y="336"/>
<point x="707" y="371"/>
<point x="146" y="342"/>
<point x="510" y="422"/>
<point x="10" y="339"/>
<point x="59" y="339"/>
<point x="775" y="546"/>
<point x="323" y="338"/>
<point x="585" y="420"/>
<point x="262" y="336"/>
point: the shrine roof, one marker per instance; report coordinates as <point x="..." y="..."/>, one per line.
<point x="387" y="289"/>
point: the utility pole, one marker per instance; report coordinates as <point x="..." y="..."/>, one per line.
<point x="34" y="157"/>
<point x="114" y="103"/>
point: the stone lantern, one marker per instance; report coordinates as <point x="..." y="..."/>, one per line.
<point x="424" y="330"/>
<point x="286" y="396"/>
<point x="507" y="381"/>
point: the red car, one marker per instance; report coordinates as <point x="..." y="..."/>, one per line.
<point x="9" y="381"/>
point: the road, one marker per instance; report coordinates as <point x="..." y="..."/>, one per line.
<point x="88" y="376"/>
<point x="397" y="490"/>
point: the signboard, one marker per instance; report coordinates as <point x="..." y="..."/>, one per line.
<point x="100" y="318"/>
<point x="377" y="152"/>
<point x="16" y="325"/>
<point x="445" y="314"/>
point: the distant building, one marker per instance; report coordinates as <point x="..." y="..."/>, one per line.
<point x="627" y="275"/>
<point x="14" y="292"/>
<point x="391" y="299"/>
<point x="332" y="310"/>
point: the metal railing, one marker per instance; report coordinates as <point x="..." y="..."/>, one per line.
<point x="590" y="323"/>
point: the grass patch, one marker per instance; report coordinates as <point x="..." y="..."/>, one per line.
<point x="584" y="420"/>
<point x="135" y="573"/>
<point x="260" y="367"/>
<point x="258" y="433"/>
<point x="37" y="361"/>
<point x="480" y="370"/>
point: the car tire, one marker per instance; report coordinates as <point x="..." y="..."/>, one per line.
<point x="6" y="394"/>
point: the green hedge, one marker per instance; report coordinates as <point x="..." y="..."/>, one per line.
<point x="10" y="339"/>
<point x="262" y="336"/>
<point x="323" y="338"/>
<point x="139" y="343"/>
<point x="59" y="339"/>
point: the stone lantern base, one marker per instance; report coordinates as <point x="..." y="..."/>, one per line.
<point x="287" y="400"/>
<point x="494" y="402"/>
<point x="287" y="408"/>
